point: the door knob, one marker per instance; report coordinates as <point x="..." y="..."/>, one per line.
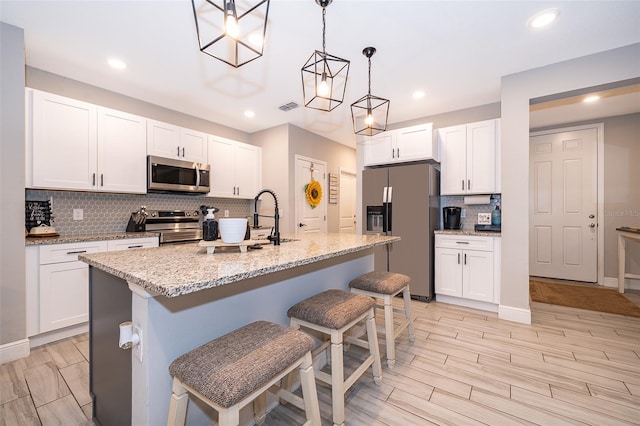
<point x="300" y="225"/>
<point x="592" y="216"/>
<point x="592" y="225"/>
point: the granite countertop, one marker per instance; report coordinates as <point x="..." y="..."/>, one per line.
<point x="80" y="238"/>
<point x="174" y="270"/>
<point x="468" y="232"/>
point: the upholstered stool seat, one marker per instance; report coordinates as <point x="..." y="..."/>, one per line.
<point x="229" y="372"/>
<point x="385" y="286"/>
<point x="333" y="312"/>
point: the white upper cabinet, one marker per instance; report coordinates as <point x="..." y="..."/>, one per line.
<point x="75" y="145"/>
<point x="413" y="143"/>
<point x="61" y="142"/>
<point x="468" y="154"/>
<point x="236" y="168"/>
<point x="121" y="152"/>
<point x="170" y="141"/>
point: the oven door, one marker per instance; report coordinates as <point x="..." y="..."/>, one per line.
<point x="168" y="175"/>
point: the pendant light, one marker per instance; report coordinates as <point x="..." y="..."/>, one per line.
<point x="232" y="31"/>
<point x="370" y="113"/>
<point x="324" y="76"/>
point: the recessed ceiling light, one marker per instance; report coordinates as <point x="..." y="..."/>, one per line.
<point x="543" y="18"/>
<point x="591" y="98"/>
<point x="116" y="64"/>
<point x="249" y="114"/>
<point x="419" y="94"/>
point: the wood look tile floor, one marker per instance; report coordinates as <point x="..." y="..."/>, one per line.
<point x="570" y="366"/>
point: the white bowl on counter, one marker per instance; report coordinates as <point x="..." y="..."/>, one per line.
<point x="232" y="230"/>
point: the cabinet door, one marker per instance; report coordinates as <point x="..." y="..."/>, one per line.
<point x="163" y="139"/>
<point x="122" y="151"/>
<point x="248" y="170"/>
<point x="416" y="143"/>
<point x="448" y="272"/>
<point x="453" y="165"/>
<point x="477" y="281"/>
<point x="222" y="162"/>
<point x="193" y="146"/>
<point x="63" y="143"/>
<point x="64" y="295"/>
<point x="379" y="149"/>
<point x="481" y="157"/>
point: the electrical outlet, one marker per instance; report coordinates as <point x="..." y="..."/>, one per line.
<point x="226" y="213"/>
<point x="78" y="214"/>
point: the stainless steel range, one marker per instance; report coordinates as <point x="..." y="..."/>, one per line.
<point x="174" y="225"/>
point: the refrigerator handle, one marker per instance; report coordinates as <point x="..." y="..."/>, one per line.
<point x="384" y="194"/>
<point x="389" y="197"/>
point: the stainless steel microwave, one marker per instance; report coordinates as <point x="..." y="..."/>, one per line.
<point x="169" y="175"/>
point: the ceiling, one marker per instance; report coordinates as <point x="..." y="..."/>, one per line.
<point x="454" y="51"/>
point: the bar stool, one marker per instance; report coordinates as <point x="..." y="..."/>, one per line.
<point x="229" y="372"/>
<point x="333" y="312"/>
<point x="385" y="286"/>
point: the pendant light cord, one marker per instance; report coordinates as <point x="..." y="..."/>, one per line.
<point x="369" y="76"/>
<point x="324" y="12"/>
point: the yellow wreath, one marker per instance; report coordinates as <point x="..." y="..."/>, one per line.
<point x="313" y="193"/>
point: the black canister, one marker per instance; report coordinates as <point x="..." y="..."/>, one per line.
<point x="210" y="227"/>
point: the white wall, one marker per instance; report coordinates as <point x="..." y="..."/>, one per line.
<point x="610" y="66"/>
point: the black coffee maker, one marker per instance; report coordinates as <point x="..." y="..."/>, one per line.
<point x="451" y="216"/>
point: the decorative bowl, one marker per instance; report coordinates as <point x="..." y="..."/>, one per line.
<point x="232" y="230"/>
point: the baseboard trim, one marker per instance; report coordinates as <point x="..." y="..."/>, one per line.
<point x="14" y="350"/>
<point x="511" y="313"/>
<point x="467" y="303"/>
<point x="628" y="283"/>
<point x="63" y="333"/>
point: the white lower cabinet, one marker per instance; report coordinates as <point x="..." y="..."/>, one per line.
<point x="58" y="283"/>
<point x="465" y="267"/>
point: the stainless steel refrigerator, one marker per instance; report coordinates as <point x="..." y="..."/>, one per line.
<point x="404" y="200"/>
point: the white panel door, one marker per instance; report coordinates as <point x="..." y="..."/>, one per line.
<point x="481" y="157"/>
<point x="223" y="167"/>
<point x="453" y="157"/>
<point x="448" y="272"/>
<point x="309" y="219"/>
<point x="64" y="135"/>
<point x="122" y="152"/>
<point x="347" y="202"/>
<point x="563" y="205"/>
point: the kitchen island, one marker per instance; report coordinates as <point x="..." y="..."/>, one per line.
<point x="179" y="297"/>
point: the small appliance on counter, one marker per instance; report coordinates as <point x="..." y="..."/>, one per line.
<point x="210" y="225"/>
<point x="451" y="217"/>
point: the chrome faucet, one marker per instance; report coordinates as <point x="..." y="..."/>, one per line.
<point x="275" y="237"/>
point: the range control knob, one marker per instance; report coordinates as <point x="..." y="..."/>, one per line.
<point x="153" y="214"/>
<point x="195" y="213"/>
<point x="187" y="213"/>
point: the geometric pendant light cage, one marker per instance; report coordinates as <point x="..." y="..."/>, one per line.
<point x="324" y="76"/>
<point x="370" y="113"/>
<point x="232" y="31"/>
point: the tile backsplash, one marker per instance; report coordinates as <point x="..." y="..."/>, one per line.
<point x="471" y="210"/>
<point x="105" y="213"/>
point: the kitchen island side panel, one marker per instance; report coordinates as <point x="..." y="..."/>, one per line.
<point x="109" y="366"/>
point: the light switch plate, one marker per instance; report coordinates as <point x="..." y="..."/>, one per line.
<point x="484" y="218"/>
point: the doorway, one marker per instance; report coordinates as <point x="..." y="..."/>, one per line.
<point x="564" y="204"/>
<point x="347" y="202"/>
<point x="310" y="218"/>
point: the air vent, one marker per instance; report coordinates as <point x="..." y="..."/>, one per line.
<point x="288" y="107"/>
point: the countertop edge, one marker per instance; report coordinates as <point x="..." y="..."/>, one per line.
<point x="467" y="232"/>
<point x="81" y="238"/>
<point x="227" y="279"/>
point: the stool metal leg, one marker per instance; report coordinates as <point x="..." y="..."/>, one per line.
<point x="406" y="295"/>
<point x="178" y="404"/>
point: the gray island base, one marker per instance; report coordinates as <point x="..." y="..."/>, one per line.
<point x="179" y="297"/>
